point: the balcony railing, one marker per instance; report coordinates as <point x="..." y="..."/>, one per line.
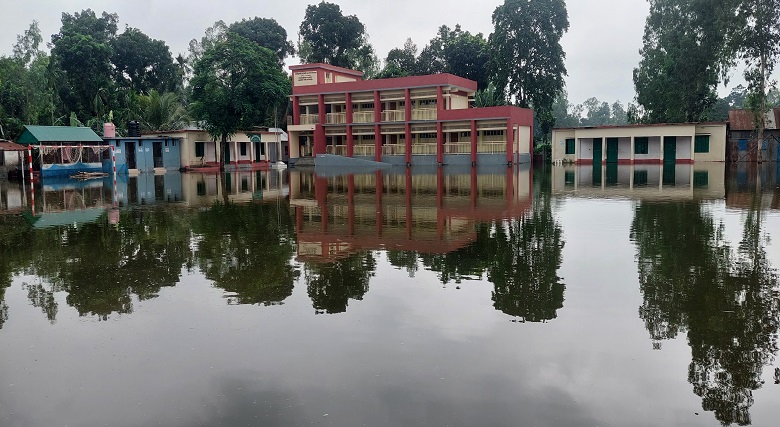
<point x="363" y="117"/>
<point x="424" y="114"/>
<point x="394" y="149"/>
<point x="310" y="119"/>
<point x="339" y="150"/>
<point x="457" y="148"/>
<point x="424" y="149"/>
<point x="364" y="150"/>
<point x="491" y="147"/>
<point x="393" y="115"/>
<point x="336" y="118"/>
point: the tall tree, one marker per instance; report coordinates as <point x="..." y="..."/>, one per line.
<point x="267" y="33"/>
<point x="81" y="60"/>
<point x="143" y="64"/>
<point x="759" y="47"/>
<point x="157" y="111"/>
<point x="326" y="35"/>
<point x="400" y="62"/>
<point x="526" y="53"/>
<point x="685" y="54"/>
<point x="236" y="85"/>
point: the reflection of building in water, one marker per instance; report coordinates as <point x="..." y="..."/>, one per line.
<point x="404" y="210"/>
<point x="671" y="181"/>
<point x="204" y="189"/>
<point x="753" y="185"/>
<point x="13" y="197"/>
<point x="69" y="202"/>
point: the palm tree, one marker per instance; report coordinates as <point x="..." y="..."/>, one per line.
<point x="161" y="112"/>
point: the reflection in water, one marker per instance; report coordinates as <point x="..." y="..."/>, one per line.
<point x="461" y="224"/>
<point x="246" y="250"/>
<point x="331" y="285"/>
<point x="725" y="299"/>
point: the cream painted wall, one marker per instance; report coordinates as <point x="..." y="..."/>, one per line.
<point x="524" y="134"/>
<point x="340" y="79"/>
<point x="624" y="148"/>
<point x="717" y="133"/>
<point x="683" y="148"/>
<point x="559" y="145"/>
<point x="458" y="102"/>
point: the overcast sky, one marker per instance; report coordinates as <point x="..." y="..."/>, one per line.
<point x="602" y="45"/>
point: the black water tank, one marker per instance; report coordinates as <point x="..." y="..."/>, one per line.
<point x="133" y="129"/>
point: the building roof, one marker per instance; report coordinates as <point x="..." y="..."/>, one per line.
<point x="11" y="146"/>
<point x="316" y="65"/>
<point x="743" y="119"/>
<point x="409" y="82"/>
<point x="43" y="134"/>
<point x="641" y="125"/>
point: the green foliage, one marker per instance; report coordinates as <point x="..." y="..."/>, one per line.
<point x="400" y="62"/>
<point x="266" y="33"/>
<point x="526" y="54"/>
<point x="490" y="96"/>
<point x="685" y="54"/>
<point x="81" y="60"/>
<point x="143" y="64"/>
<point x="331" y="285"/>
<point x="237" y="84"/>
<point x="161" y="112"/>
<point x="326" y="35"/>
<point x="590" y="113"/>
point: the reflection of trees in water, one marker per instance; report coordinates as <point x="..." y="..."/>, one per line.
<point x="406" y="260"/>
<point x="466" y="263"/>
<point x="102" y="268"/>
<point x="246" y="250"/>
<point x="15" y="236"/>
<point x="332" y="285"/>
<point x="726" y="300"/>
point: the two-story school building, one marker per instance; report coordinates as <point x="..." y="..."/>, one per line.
<point x="641" y="144"/>
<point x="417" y="120"/>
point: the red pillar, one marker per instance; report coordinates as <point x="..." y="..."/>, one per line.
<point x="321" y="108"/>
<point x="377" y="129"/>
<point x="473" y="142"/>
<point x="319" y="140"/>
<point x="296" y="113"/>
<point x="510" y="140"/>
<point x="439" y="100"/>
<point x="350" y="138"/>
<point x="407" y="126"/>
<point x="439" y="143"/>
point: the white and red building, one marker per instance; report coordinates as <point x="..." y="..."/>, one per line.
<point x="404" y="121"/>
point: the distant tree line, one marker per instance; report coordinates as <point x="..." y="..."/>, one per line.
<point x="233" y="76"/>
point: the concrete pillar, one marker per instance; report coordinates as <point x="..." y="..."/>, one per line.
<point x="350" y="137"/>
<point x="510" y="141"/>
<point x="474" y="142"/>
<point x="408" y="140"/>
<point x="377" y="143"/>
<point x="296" y="113"/>
<point x="321" y="108"/>
<point x="439" y="143"/>
<point x="633" y="146"/>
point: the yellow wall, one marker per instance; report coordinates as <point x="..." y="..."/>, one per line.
<point x="717" y="135"/>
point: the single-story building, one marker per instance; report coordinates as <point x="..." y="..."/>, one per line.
<point x="144" y="154"/>
<point x="742" y="145"/>
<point x="64" y="150"/>
<point x="253" y="149"/>
<point x="641" y="144"/>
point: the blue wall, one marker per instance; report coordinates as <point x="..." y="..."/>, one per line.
<point x="144" y="153"/>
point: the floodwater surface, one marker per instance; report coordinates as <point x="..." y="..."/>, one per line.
<point x="565" y="296"/>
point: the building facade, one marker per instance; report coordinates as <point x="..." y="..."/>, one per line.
<point x="144" y="154"/>
<point x="641" y="144"/>
<point x="418" y="120"/>
<point x="743" y="146"/>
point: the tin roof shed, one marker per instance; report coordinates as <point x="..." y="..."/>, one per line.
<point x="47" y="135"/>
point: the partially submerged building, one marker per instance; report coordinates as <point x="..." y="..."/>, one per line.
<point x="743" y="144"/>
<point x="417" y="120"/>
<point x="641" y="144"/>
<point x="64" y="150"/>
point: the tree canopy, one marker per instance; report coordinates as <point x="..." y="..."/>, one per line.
<point x="526" y="53"/>
<point x="266" y="33"/>
<point x="327" y="35"/>
<point x="142" y="63"/>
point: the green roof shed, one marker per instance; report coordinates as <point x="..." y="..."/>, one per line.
<point x="68" y="135"/>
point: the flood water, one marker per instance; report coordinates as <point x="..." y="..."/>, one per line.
<point x="564" y="296"/>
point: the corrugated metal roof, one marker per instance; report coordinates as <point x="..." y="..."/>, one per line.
<point x="743" y="119"/>
<point x="10" y="146"/>
<point x="37" y="134"/>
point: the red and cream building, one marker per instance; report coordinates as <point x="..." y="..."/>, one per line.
<point x="404" y="121"/>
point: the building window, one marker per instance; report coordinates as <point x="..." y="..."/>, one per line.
<point x="570" y="146"/>
<point x="200" y="149"/>
<point x="201" y="188"/>
<point x="701" y="179"/>
<point x="640" y="177"/>
<point x="568" y="177"/>
<point x="701" y="144"/>
<point x="243" y="148"/>
<point x="742" y="145"/>
<point x="641" y="145"/>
